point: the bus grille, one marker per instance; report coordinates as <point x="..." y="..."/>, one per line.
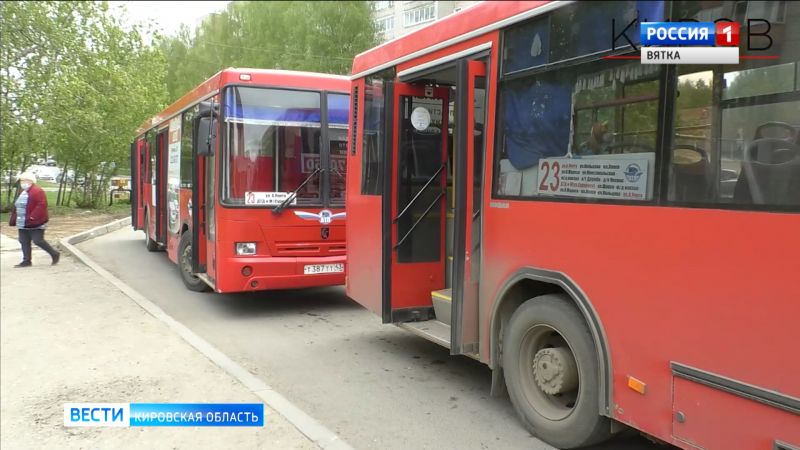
<point x="333" y="248"/>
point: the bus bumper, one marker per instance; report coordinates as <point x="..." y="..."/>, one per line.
<point x="240" y="274"/>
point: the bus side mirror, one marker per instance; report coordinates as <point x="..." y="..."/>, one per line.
<point x="206" y="108"/>
<point x="205" y="128"/>
<point x="203" y="139"/>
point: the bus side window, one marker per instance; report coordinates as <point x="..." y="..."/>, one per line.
<point x="736" y="132"/>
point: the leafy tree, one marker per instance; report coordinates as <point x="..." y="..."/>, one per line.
<point x="74" y="88"/>
<point x="295" y="35"/>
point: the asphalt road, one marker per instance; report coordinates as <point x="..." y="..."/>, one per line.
<point x="375" y="385"/>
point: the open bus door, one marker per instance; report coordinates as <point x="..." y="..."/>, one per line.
<point x="203" y="187"/>
<point x="161" y="186"/>
<point x="414" y="205"/>
<point x="137" y="184"/>
<point x="468" y="182"/>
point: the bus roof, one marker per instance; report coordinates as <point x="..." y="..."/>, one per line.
<point x="231" y="75"/>
<point x="470" y="22"/>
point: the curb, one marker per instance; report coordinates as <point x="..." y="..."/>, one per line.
<point x="307" y="425"/>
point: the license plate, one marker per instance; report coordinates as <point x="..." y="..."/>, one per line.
<point x="323" y="268"/>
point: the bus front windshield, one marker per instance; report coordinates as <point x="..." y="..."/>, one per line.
<point x="275" y="143"/>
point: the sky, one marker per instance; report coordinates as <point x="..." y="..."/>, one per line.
<point x="168" y="16"/>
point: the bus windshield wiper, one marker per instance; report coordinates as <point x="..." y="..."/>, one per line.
<point x="278" y="209"/>
<point x="336" y="171"/>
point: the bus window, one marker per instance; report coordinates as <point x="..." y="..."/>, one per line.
<point x="374" y="132"/>
<point x="273" y="143"/>
<point x="338" y="112"/>
<point x="187" y="163"/>
<point x="587" y="131"/>
<point x="736" y="136"/>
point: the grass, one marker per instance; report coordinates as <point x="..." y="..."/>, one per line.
<point x="119" y="207"/>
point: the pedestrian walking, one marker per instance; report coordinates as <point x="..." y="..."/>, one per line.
<point x="30" y="217"/>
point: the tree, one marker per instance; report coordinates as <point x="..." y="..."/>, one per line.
<point x="296" y="35"/>
<point x="73" y="87"/>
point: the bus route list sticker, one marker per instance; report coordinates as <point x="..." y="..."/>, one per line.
<point x="420" y="118"/>
<point x="624" y="179"/>
<point x="266" y="198"/>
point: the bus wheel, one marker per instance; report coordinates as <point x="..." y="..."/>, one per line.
<point x="192" y="282"/>
<point x="152" y="246"/>
<point x="551" y="371"/>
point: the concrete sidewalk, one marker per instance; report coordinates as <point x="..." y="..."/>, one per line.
<point x="8" y="244"/>
<point x="70" y="336"/>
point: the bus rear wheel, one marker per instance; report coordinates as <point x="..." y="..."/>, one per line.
<point x="190" y="280"/>
<point x="551" y="371"/>
<point x="152" y="246"/>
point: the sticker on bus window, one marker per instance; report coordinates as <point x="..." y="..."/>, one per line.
<point x="420" y="118"/>
<point x="267" y="198"/>
<point x="619" y="178"/>
<point x="310" y="162"/>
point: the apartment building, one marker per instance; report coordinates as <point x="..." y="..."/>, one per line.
<point x="396" y="18"/>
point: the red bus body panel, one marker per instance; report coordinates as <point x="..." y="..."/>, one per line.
<point x="691" y="293"/>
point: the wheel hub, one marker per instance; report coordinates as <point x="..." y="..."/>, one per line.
<point x="186" y="260"/>
<point x="555" y="370"/>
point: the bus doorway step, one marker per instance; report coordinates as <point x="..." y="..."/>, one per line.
<point x="432" y="330"/>
<point x="442" y="304"/>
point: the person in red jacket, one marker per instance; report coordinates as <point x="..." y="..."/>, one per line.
<point x="30" y="217"/>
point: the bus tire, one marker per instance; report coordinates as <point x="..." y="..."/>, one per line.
<point x="190" y="280"/>
<point x="552" y="373"/>
<point x="152" y="246"/>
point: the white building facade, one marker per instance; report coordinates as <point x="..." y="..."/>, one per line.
<point x="396" y="18"/>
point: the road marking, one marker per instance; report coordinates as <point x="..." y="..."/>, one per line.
<point x="304" y="423"/>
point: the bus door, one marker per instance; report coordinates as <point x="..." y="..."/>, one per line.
<point x="416" y="201"/>
<point x="470" y="118"/>
<point x="203" y="188"/>
<point x="161" y="186"/>
<point x="139" y="162"/>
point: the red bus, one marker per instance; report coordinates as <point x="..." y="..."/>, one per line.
<point x="242" y="181"/>
<point x="618" y="242"/>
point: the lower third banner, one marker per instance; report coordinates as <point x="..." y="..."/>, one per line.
<point x="164" y="414"/>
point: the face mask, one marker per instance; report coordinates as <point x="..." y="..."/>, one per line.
<point x="25" y="186"/>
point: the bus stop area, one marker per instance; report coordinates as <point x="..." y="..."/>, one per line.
<point x="115" y="325"/>
<point x="68" y="335"/>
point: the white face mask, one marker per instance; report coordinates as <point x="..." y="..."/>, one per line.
<point x="25" y="185"/>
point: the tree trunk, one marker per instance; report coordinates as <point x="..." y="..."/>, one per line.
<point x="72" y="187"/>
<point x="62" y="185"/>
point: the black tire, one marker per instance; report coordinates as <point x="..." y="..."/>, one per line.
<point x="190" y="280"/>
<point x="567" y="419"/>
<point x="152" y="246"/>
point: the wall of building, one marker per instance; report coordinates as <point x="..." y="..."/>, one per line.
<point x="396" y="18"/>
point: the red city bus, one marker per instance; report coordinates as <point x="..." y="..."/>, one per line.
<point x="242" y="181"/>
<point x="618" y="242"/>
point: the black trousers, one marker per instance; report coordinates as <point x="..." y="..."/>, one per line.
<point x="37" y="236"/>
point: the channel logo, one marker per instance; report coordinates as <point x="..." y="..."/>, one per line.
<point x="689" y="42"/>
<point x="163" y="415"/>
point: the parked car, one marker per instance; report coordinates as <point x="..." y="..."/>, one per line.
<point x="10" y="176"/>
<point x="45" y="173"/>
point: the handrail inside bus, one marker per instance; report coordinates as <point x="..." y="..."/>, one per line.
<point x="413" y="200"/>
<point x="424" y="214"/>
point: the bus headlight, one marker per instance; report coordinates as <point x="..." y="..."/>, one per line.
<point x="245" y="248"/>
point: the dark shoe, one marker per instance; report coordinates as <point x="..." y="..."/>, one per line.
<point x="56" y="258"/>
<point x="24" y="264"/>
